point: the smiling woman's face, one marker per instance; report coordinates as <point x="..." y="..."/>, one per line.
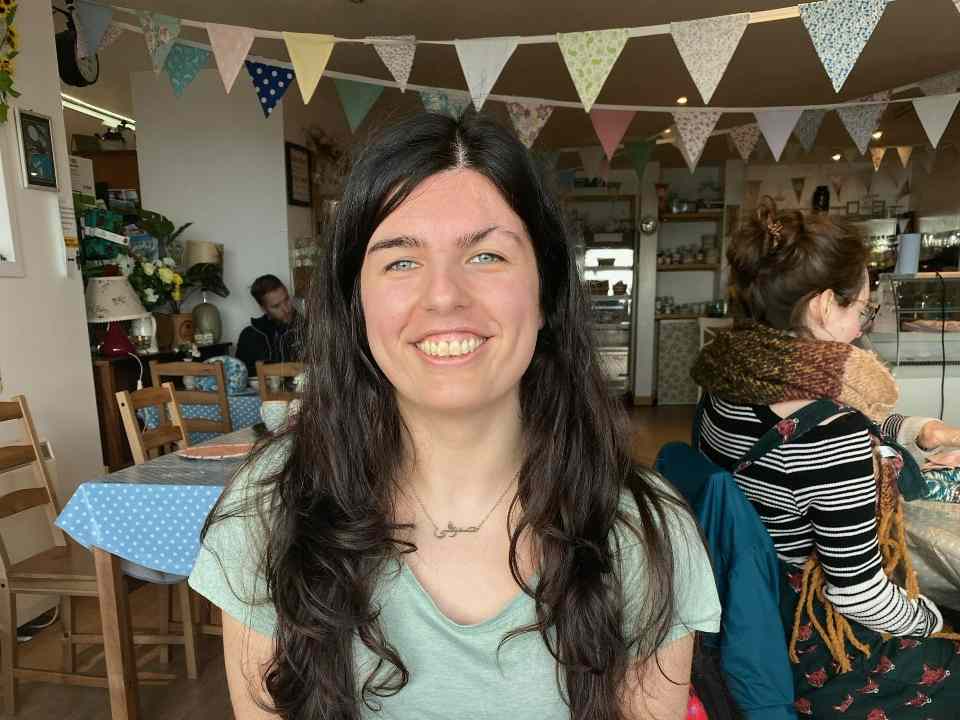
<point x="450" y="294"/>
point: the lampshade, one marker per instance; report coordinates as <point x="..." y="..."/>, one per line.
<point x="112" y="298"/>
<point x="201" y="251"/>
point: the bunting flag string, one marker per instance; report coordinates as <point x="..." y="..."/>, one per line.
<point x="904" y="152"/>
<point x="776" y="126"/>
<point x="808" y="126"/>
<point x="935" y="113"/>
<point x="528" y="119"/>
<point x="862" y="120"/>
<point x="397" y="53"/>
<point x="745" y="139"/>
<point x="92" y="22"/>
<point x="876" y="154"/>
<point x="182" y="65"/>
<point x="309" y="54"/>
<point x="693" y="129"/>
<point x="160" y="33"/>
<point x="482" y="62"/>
<point x="840" y="30"/>
<point x="356" y="100"/>
<point x="589" y="57"/>
<point x="706" y="47"/>
<point x="270" y="83"/>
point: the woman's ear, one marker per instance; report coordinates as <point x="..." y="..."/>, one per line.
<point x="818" y="309"/>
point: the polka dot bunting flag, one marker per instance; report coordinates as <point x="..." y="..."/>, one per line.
<point x="270" y="83"/>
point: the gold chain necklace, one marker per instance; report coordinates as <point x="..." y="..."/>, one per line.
<point x="452" y="530"/>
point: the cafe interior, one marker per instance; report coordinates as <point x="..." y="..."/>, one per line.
<point x="161" y="158"/>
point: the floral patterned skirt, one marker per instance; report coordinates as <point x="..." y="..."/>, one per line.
<point x="902" y="677"/>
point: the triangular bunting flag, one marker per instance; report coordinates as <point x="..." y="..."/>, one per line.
<point x="693" y="130"/>
<point x="837" y="182"/>
<point x="270" y="83"/>
<point x="482" y="61"/>
<point x="92" y="22"/>
<point x="706" y="46"/>
<point x="905" y="151"/>
<point x="438" y="101"/>
<point x="929" y="160"/>
<point x="159" y="32"/>
<point x="862" y="120"/>
<point x="231" y="44"/>
<point x="528" y="119"/>
<point x="639" y="153"/>
<point x="309" y="54"/>
<point x="397" y="53"/>
<point x="776" y="126"/>
<point x="610" y="126"/>
<point x="745" y="139"/>
<point x="112" y="34"/>
<point x="592" y="159"/>
<point x="942" y="84"/>
<point x="182" y="65"/>
<point x="807" y="127"/>
<point x="798" y="184"/>
<point x="876" y="154"/>
<point x="357" y="98"/>
<point x="839" y="30"/>
<point x="589" y="57"/>
<point x="935" y="113"/>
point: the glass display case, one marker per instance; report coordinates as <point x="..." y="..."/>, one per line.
<point x="603" y="227"/>
<point x="919" y="321"/>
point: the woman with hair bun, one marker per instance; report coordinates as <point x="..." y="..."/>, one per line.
<point x="827" y="492"/>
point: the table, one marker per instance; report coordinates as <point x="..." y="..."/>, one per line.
<point x="150" y="515"/>
<point x="110" y="375"/>
<point x="244" y="412"/>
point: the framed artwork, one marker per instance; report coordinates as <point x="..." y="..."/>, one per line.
<point x="37" y="157"/>
<point x="853" y="208"/>
<point x="299" y="175"/>
<point x="879" y="208"/>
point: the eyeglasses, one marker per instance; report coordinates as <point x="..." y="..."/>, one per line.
<point x="869" y="313"/>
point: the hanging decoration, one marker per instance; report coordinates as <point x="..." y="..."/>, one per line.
<point x="528" y="119"/>
<point x="876" y="154"/>
<point x="438" y="101"/>
<point x="397" y="53"/>
<point x="309" y="53"/>
<point x="836" y="183"/>
<point x="231" y="44"/>
<point x="840" y="30"/>
<point x="356" y="99"/>
<point x="182" y="65"/>
<point x="482" y="61"/>
<point x="706" y="46"/>
<point x="9" y="48"/>
<point x="935" y="113"/>
<point x="941" y="85"/>
<point x="639" y="154"/>
<point x="745" y="139"/>
<point x="92" y="21"/>
<point x="611" y="126"/>
<point x="862" y="120"/>
<point x="160" y="33"/>
<point x="807" y="127"/>
<point x="776" y="126"/>
<point x="270" y="83"/>
<point x="905" y="151"/>
<point x="111" y="35"/>
<point x="693" y="130"/>
<point x="589" y="57"/>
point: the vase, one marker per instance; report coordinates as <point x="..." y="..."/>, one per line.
<point x="146" y="328"/>
<point x="206" y="319"/>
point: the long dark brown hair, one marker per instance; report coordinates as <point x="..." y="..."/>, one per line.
<point x="331" y="528"/>
<point x="779" y="260"/>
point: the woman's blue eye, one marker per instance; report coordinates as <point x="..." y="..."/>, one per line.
<point x="486" y="257"/>
<point x="401" y="265"/>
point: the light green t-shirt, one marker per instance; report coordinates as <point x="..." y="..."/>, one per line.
<point x="455" y="670"/>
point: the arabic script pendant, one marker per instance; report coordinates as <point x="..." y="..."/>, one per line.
<point x="451" y="531"/>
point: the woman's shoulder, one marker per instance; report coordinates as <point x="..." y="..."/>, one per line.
<point x="663" y="506"/>
<point x="252" y="481"/>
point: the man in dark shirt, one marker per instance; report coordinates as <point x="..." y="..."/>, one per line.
<point x="275" y="336"/>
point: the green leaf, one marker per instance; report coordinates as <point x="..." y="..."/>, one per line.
<point x="4" y="109"/>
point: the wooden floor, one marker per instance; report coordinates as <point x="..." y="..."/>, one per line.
<point x="206" y="698"/>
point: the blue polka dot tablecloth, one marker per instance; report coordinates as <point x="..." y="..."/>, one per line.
<point x="244" y="413"/>
<point x="151" y="514"/>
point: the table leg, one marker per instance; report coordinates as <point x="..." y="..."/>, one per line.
<point x="117" y="637"/>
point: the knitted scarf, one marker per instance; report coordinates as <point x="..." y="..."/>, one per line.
<point x="753" y="364"/>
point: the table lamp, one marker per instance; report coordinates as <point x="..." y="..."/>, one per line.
<point x="111" y="300"/>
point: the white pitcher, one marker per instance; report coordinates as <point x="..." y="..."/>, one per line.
<point x="146" y="327"/>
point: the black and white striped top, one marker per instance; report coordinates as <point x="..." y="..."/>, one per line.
<point x="818" y="493"/>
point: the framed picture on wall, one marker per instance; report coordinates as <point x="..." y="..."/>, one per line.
<point x="37" y="156"/>
<point x="299" y="174"/>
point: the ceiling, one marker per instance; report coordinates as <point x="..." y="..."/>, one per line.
<point x="775" y="63"/>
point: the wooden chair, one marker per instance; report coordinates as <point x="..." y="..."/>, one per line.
<point x="218" y="397"/>
<point x="172" y="431"/>
<point x="281" y="370"/>
<point x="66" y="570"/>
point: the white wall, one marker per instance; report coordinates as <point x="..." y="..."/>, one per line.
<point x="214" y="160"/>
<point x="44" y="351"/>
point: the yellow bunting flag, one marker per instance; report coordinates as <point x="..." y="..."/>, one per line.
<point x="309" y="54"/>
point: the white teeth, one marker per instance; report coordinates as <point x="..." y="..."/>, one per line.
<point x="451" y="348"/>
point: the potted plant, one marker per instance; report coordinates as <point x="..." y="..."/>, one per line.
<point x="207" y="277"/>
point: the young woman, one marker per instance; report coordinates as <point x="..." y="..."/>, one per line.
<point x="802" y="283"/>
<point x="454" y="527"/>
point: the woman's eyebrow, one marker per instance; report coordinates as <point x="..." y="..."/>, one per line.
<point x="464" y="242"/>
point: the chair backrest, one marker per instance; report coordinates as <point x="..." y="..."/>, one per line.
<point x="281" y="370"/>
<point x="171" y="432"/>
<point x="14" y="456"/>
<point x="218" y="397"/>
